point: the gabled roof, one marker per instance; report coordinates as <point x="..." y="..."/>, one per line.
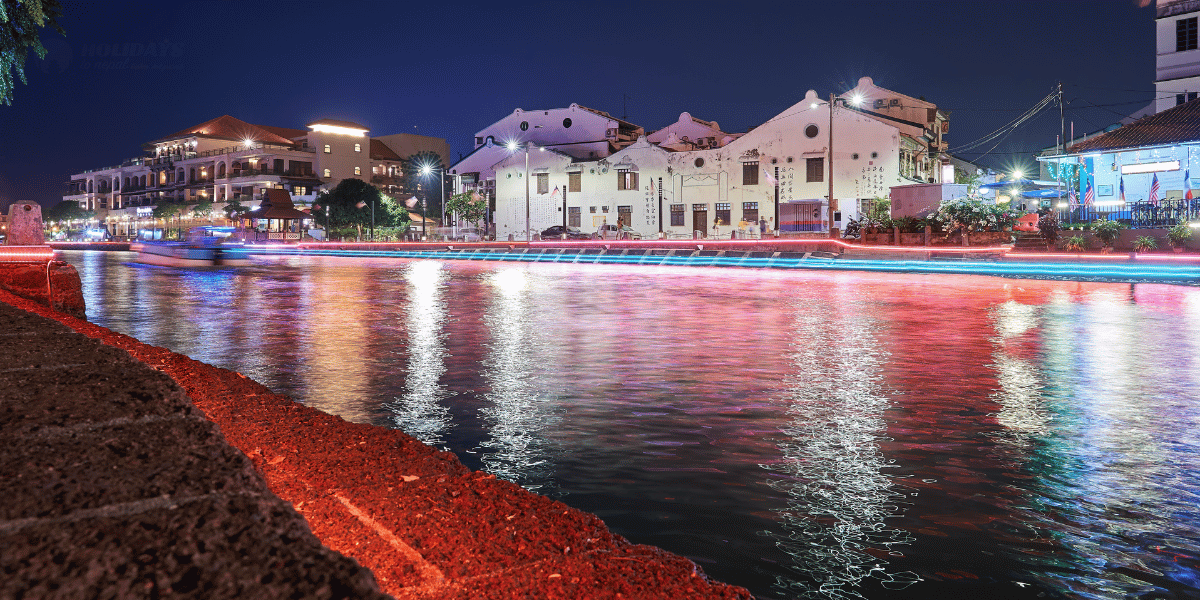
<point x="226" y="127"/>
<point x="380" y="151"/>
<point x="277" y="204"/>
<point x="1172" y="126"/>
<point x="608" y="116"/>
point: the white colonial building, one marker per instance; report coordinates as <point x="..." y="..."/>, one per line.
<point x="777" y="172"/>
<point x="1177" y="60"/>
<point x="227" y="158"/>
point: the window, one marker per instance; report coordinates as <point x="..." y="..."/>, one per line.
<point x="543" y="183"/>
<point x="627" y="180"/>
<point x="299" y="190"/>
<point x="699" y="162"/>
<point x="676" y="215"/>
<point x="750" y="173"/>
<point x="573" y="217"/>
<point x="1185" y="34"/>
<point x="328" y="173"/>
<point x="750" y="211"/>
<point x="574" y="182"/>
<point x="816" y="170"/>
<point x="478" y="141"/>
<point x="723" y="212"/>
<point x="592" y="209"/>
<point x="358" y="170"/>
<point x="328" y="150"/>
<point x="358" y="147"/>
<point x="1179" y="99"/>
<point x="625" y="214"/>
<point x="567" y="123"/>
<point x="811" y="131"/>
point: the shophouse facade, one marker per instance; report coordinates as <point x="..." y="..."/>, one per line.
<point x="1177" y="56"/>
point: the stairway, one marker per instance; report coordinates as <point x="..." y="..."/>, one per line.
<point x="1028" y="241"/>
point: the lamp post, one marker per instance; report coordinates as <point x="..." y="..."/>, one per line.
<point x="362" y="204"/>
<point x="512" y="147"/>
<point x="425" y="171"/>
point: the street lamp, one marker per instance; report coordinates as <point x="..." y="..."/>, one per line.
<point x="362" y="204"/>
<point x="512" y="147"/>
<point x="426" y="170"/>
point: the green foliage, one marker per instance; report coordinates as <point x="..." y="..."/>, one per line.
<point x="20" y="22"/>
<point x="202" y="209"/>
<point x="974" y="214"/>
<point x="1179" y="235"/>
<point x="235" y="210"/>
<point x="973" y="180"/>
<point x="1074" y="243"/>
<point x="909" y="224"/>
<point x="67" y="211"/>
<point x="1107" y="231"/>
<point x="1144" y="243"/>
<point x="355" y="204"/>
<point x="878" y="211"/>
<point x="470" y="206"/>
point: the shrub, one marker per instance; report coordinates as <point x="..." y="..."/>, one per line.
<point x="1144" y="243"/>
<point x="1179" y="235"/>
<point x="974" y="214"/>
<point x="1048" y="226"/>
<point x="1074" y="243"/>
<point x="1107" y="231"/>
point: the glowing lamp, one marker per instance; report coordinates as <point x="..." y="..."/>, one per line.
<point x="337" y="129"/>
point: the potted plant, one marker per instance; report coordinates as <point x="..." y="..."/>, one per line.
<point x="1144" y="243"/>
<point x="1106" y="231"/>
<point x="1049" y="227"/>
<point x="1179" y="235"/>
<point x="1074" y="243"/>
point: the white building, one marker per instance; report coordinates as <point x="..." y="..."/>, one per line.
<point x="227" y="158"/>
<point x="1177" y="61"/>
<point x="778" y="171"/>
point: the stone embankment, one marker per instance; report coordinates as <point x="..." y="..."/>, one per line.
<point x="123" y="489"/>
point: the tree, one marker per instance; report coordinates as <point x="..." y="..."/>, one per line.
<point x="168" y="210"/>
<point x="421" y="172"/>
<point x="20" y="22"/>
<point x="202" y="210"/>
<point x="65" y="212"/>
<point x="234" y="210"/>
<point x="350" y="205"/>
<point x="469" y="206"/>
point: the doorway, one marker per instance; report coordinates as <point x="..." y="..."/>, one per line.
<point x="700" y="221"/>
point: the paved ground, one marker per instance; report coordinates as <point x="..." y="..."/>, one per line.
<point x="115" y="486"/>
<point x="125" y="490"/>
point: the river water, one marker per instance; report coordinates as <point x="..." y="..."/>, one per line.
<point x="803" y="434"/>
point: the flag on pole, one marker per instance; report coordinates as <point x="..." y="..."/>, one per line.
<point x="554" y="194"/>
<point x="1072" y="199"/>
<point x="1187" y="184"/>
<point x="1154" y="190"/>
<point x="1122" y="189"/>
<point x="770" y="178"/>
<point x="411" y="202"/>
<point x="651" y="186"/>
<point x="1089" y="195"/>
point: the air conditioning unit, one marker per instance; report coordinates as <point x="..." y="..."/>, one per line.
<point x="610" y="133"/>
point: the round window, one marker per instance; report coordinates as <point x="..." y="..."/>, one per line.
<point x="774" y="160"/>
<point x="524" y="125"/>
<point x="567" y="122"/>
<point x="874" y="155"/>
<point x="699" y="162"/>
<point x="854" y="156"/>
<point x="789" y="159"/>
<point x="509" y="176"/>
<point x="811" y="131"/>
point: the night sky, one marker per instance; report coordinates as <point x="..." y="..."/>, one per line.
<point x="449" y="69"/>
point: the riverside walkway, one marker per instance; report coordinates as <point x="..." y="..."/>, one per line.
<point x="132" y="471"/>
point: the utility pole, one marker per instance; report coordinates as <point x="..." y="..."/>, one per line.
<point x="1062" y="122"/>
<point x="832" y="98"/>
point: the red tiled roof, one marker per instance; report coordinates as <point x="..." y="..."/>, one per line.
<point x="380" y="151"/>
<point x="337" y="123"/>
<point x="277" y="204"/>
<point x="226" y="127"/>
<point x="1172" y="126"/>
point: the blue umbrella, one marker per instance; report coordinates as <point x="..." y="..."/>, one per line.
<point x="1042" y="194"/>
<point x="1007" y="183"/>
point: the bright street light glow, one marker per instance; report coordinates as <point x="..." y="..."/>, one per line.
<point x="1017" y="174"/>
<point x="512" y="146"/>
<point x="856" y="100"/>
<point x="353" y="131"/>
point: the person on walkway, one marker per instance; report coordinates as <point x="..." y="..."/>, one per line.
<point x="716" y="227"/>
<point x="742" y="225"/>
<point x="762" y="227"/>
<point x="620" y="227"/>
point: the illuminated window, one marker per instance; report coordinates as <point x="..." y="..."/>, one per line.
<point x="750" y="211"/>
<point x="543" y="183"/>
<point x="357" y="170"/>
<point x="750" y="173"/>
<point x="328" y="173"/>
<point x="328" y="150"/>
<point x="627" y="180"/>
<point x="574" y="182"/>
<point x="358" y="147"/>
<point x="816" y="170"/>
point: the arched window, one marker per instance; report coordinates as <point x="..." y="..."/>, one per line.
<point x="221" y="171"/>
<point x="127" y="183"/>
<point x="192" y="175"/>
<point x="358" y="170"/>
<point x="328" y="173"/>
<point x="358" y="147"/>
<point x="179" y="176"/>
<point x="143" y="184"/>
<point x="328" y="150"/>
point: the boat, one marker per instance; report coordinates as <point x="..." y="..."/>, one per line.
<point x="198" y="250"/>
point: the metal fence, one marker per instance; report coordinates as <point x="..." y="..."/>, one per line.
<point x="1140" y="215"/>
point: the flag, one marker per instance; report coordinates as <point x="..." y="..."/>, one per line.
<point x="652" y="186"/>
<point x="1072" y="199"/>
<point x="411" y="202"/>
<point x="1187" y="184"/>
<point x="1154" y="190"/>
<point x="554" y="194"/>
<point x="1089" y="195"/>
<point x="1122" y="189"/>
<point x="770" y="178"/>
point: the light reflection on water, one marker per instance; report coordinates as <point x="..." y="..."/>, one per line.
<point x="814" y="435"/>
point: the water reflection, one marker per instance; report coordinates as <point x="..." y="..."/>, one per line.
<point x="518" y="410"/>
<point x="420" y="411"/>
<point x="833" y="471"/>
